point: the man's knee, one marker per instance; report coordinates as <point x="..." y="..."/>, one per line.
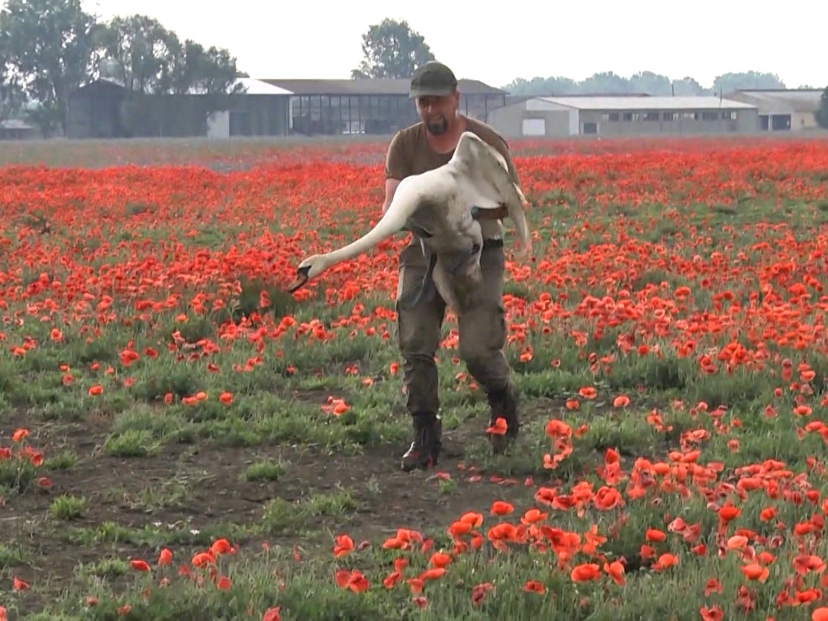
<point x="488" y="366"/>
<point x="483" y="333"/>
<point x="483" y="328"/>
<point x="480" y="352"/>
<point x="418" y="335"/>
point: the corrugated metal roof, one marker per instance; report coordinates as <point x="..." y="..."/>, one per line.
<point x="511" y="100"/>
<point x="253" y="86"/>
<point x="799" y="100"/>
<point x="259" y="87"/>
<point x="99" y="83"/>
<point x="611" y="95"/>
<point x="371" y="87"/>
<point x="649" y="103"/>
<point x="256" y="86"/>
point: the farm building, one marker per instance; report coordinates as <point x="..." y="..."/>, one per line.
<point x="262" y="110"/>
<point x="104" y="109"/>
<point x="782" y="109"/>
<point x="94" y="110"/>
<point x="15" y="129"/>
<point x="370" y="106"/>
<point x="622" y="115"/>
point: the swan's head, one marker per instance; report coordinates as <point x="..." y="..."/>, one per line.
<point x="308" y="269"/>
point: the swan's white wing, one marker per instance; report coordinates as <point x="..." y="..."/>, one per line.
<point x="485" y="182"/>
<point x="476" y="194"/>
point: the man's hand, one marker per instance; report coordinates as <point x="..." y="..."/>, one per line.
<point x="525" y="252"/>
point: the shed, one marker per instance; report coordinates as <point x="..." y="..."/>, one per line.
<point x="783" y="109"/>
<point x="624" y="115"/>
<point x="95" y="110"/>
<point x="15" y="129"/>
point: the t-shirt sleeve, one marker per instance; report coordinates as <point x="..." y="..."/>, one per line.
<point x="396" y="159"/>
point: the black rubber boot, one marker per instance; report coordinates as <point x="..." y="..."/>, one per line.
<point x="424" y="451"/>
<point x="504" y="405"/>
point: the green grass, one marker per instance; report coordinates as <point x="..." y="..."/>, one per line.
<point x="116" y="477"/>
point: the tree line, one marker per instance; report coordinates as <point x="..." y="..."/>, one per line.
<point x="50" y="47"/>
<point x="654" y="84"/>
<point x="392" y="49"/>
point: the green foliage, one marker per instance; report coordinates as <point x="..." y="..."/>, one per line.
<point x="11" y="93"/>
<point x="146" y="57"/>
<point x="48" y="72"/>
<point x="137" y="51"/>
<point x="392" y="49"/>
<point x="642" y="82"/>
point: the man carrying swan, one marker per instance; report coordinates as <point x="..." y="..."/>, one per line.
<point x="425" y="146"/>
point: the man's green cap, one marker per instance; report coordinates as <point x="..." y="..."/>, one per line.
<point x="432" y="79"/>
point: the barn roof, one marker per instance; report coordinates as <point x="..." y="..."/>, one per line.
<point x="371" y="87"/>
<point x="649" y="103"/>
<point x="796" y="100"/>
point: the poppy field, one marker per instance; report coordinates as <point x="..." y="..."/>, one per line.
<point x="181" y="439"/>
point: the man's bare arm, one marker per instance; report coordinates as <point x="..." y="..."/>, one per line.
<point x="390" y="188"/>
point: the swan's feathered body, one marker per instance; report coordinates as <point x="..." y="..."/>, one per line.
<point x="442" y="207"/>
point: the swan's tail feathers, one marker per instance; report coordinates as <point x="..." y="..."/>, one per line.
<point x="426" y="291"/>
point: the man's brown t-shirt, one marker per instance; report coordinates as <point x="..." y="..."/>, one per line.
<point x="409" y="154"/>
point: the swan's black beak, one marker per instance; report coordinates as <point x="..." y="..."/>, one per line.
<point x="301" y="279"/>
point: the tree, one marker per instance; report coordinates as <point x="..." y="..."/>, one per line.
<point x="138" y="49"/>
<point x="643" y="82"/>
<point x="210" y="71"/>
<point x="540" y="87"/>
<point x="652" y="83"/>
<point x="48" y="44"/>
<point x="12" y="96"/>
<point x="821" y="115"/>
<point x="728" y="82"/>
<point x="391" y="49"/>
<point x="148" y="58"/>
<point x="687" y="87"/>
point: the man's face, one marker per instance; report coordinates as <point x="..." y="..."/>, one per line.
<point x="438" y="113"/>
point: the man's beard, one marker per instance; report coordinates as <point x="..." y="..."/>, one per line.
<point x="437" y="127"/>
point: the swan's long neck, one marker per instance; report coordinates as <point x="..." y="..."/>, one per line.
<point x="391" y="222"/>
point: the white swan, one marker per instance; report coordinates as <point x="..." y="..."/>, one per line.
<point x="442" y="207"/>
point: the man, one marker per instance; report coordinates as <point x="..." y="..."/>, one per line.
<point x="414" y="150"/>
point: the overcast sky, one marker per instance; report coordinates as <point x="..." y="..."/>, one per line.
<point x="517" y="38"/>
